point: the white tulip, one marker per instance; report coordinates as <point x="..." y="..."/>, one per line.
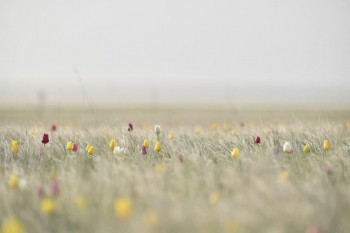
<point x="287" y="148"/>
<point x="120" y="151"/>
<point x="157" y="129"/>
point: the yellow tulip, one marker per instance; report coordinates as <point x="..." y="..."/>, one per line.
<point x="80" y="202"/>
<point x="11" y="225"/>
<point x="171" y="136"/>
<point x="159" y="168"/>
<point x="87" y="147"/>
<point x="91" y="150"/>
<point x="150" y="218"/>
<point x="14" y="147"/>
<point x="306" y="148"/>
<point x="157" y="146"/>
<point x="235" y="153"/>
<point x="47" y="206"/>
<point x="69" y="145"/>
<point x="214" y="198"/>
<point x="112" y="144"/>
<point x="198" y="130"/>
<point x="123" y="207"/>
<point x="283" y="176"/>
<point x="145" y="143"/>
<point x="326" y="145"/>
<point x="215" y="126"/>
<point x="225" y="126"/>
<point x="233" y="132"/>
<point x="13" y="181"/>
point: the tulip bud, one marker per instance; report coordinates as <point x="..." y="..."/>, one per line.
<point x="69" y="146"/>
<point x="287" y="148"/>
<point x="235" y="153"/>
<point x="157" y="147"/>
<point x="306" y="148"/>
<point x="143" y="150"/>
<point x="75" y="147"/>
<point x="14" y="147"/>
<point x="45" y="138"/>
<point x="257" y="140"/>
<point x="112" y="144"/>
<point x="157" y="129"/>
<point x="145" y="143"/>
<point x="326" y="145"/>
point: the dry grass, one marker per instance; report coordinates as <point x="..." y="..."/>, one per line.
<point x="207" y="192"/>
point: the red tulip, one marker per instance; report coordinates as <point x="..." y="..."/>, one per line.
<point x="75" y="147"/>
<point x="180" y="158"/>
<point x="53" y="127"/>
<point x="143" y="150"/>
<point x="45" y="138"/>
<point x="130" y="128"/>
<point x="257" y="140"/>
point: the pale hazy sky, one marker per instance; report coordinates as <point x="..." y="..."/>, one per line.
<point x="184" y="50"/>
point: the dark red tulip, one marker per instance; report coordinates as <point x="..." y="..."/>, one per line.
<point x="53" y="127"/>
<point x="257" y="140"/>
<point x="45" y="138"/>
<point x="180" y="157"/>
<point x="130" y="128"/>
<point x="143" y="150"/>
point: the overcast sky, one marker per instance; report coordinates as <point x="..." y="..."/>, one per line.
<point x="185" y="50"/>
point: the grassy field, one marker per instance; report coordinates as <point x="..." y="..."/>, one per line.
<point x="192" y="185"/>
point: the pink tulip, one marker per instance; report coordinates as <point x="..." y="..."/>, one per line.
<point x="143" y="150"/>
<point x="181" y="158"/>
<point x="55" y="188"/>
<point x="75" y="147"/>
<point x="53" y="127"/>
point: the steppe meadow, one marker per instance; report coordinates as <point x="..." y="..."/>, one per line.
<point x="174" y="170"/>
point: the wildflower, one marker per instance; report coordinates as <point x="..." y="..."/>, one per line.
<point x="198" y="130"/>
<point x="22" y="184"/>
<point x="91" y="150"/>
<point x="214" y="198"/>
<point x="283" y="176"/>
<point x="157" y="146"/>
<point x="40" y="191"/>
<point x="11" y="225"/>
<point x="306" y="148"/>
<point x="130" y="127"/>
<point x="123" y="207"/>
<point x="326" y="145"/>
<point x="159" y="168"/>
<point x="313" y="229"/>
<point x="45" y="138"/>
<point x="157" y="129"/>
<point x="87" y="147"/>
<point x="112" y="144"/>
<point x="150" y="218"/>
<point x="120" y="151"/>
<point x="180" y="157"/>
<point x="171" y="136"/>
<point x="215" y="126"/>
<point x="257" y="140"/>
<point x="225" y="126"/>
<point x="14" y="147"/>
<point x="53" y="127"/>
<point x="143" y="150"/>
<point x="287" y="148"/>
<point x="235" y="153"/>
<point x="80" y="202"/>
<point x="75" y="147"/>
<point x="69" y="145"/>
<point x="145" y="143"/>
<point x="233" y="226"/>
<point x="55" y="188"/>
<point x="328" y="169"/>
<point x="233" y="132"/>
<point x="47" y="206"/>
<point x="13" y="181"/>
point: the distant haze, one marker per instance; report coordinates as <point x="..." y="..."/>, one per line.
<point x="175" y="51"/>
